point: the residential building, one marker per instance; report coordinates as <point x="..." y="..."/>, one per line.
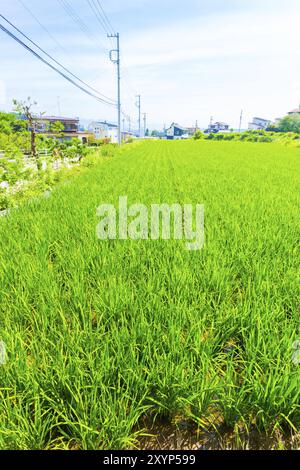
<point x="104" y="130"/>
<point x="70" y="125"/>
<point x="85" y="136"/>
<point x="128" y="135"/>
<point x="218" y="126"/>
<point x="191" y="130"/>
<point x="258" y="124"/>
<point x="294" y="111"/>
<point x="176" y="132"/>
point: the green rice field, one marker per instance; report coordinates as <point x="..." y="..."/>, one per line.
<point x="106" y="339"/>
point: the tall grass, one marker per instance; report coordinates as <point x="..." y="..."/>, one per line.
<point x="100" y="334"/>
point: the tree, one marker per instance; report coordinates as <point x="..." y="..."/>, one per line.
<point x="198" y="135"/>
<point x="9" y="124"/>
<point x="290" y="123"/>
<point x="57" y="128"/>
<point x="25" y="109"/>
<point x="155" y="133"/>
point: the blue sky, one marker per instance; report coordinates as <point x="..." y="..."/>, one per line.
<point x="189" y="60"/>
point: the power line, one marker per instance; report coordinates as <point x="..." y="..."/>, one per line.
<point x="107" y="26"/>
<point x="97" y="13"/>
<point x="52" y="66"/>
<point x="58" y="63"/>
<point x="42" y="26"/>
<point x="106" y="17"/>
<point x="80" y="23"/>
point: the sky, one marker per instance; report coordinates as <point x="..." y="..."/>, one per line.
<point x="189" y="60"/>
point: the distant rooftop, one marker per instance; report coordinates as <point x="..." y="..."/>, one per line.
<point x="175" y="124"/>
<point x="56" y="118"/>
<point x="262" y="119"/>
<point x="295" y="111"/>
<point x="99" y="123"/>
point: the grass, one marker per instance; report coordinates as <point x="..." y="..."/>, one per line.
<point x="100" y="335"/>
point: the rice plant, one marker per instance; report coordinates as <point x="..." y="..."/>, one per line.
<point x="100" y="334"/>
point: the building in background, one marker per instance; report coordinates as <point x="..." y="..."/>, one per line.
<point x="126" y="135"/>
<point x="44" y="125"/>
<point x="294" y="111"/>
<point x="85" y="137"/>
<point x="104" y="130"/>
<point x="176" y="132"/>
<point x="218" y="127"/>
<point x="191" y="130"/>
<point x="259" y="124"/>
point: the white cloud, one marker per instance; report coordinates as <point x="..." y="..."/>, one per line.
<point x="205" y="63"/>
<point x="217" y="65"/>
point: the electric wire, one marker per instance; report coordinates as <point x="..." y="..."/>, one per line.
<point x="80" y="23"/>
<point x="58" y="63"/>
<point x="26" y="7"/>
<point x="28" y="48"/>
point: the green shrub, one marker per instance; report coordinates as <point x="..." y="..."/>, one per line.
<point x="198" y="135"/>
<point x="4" y="199"/>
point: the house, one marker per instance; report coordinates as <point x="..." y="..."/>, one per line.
<point x="176" y="132"/>
<point x="128" y="135"/>
<point x="218" y="126"/>
<point x="259" y="124"/>
<point x="191" y="130"/>
<point x="104" y="130"/>
<point x="290" y="113"/>
<point x="84" y="136"/>
<point x="43" y="125"/>
<point x="294" y="111"/>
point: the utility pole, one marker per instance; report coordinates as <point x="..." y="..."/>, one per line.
<point x="241" y="119"/>
<point x="138" y="104"/>
<point x="145" y="121"/>
<point x="129" y="123"/>
<point x="58" y="106"/>
<point x="196" y="125"/>
<point x="116" y="60"/>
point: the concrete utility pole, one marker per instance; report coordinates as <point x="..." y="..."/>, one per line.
<point x="138" y="104"/>
<point x="117" y="60"/>
<point x="241" y="119"/>
<point x="145" y="121"/>
<point x="58" y="106"/>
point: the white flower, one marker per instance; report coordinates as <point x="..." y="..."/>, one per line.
<point x="2" y="353"/>
<point x="296" y="344"/>
<point x="296" y="354"/>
